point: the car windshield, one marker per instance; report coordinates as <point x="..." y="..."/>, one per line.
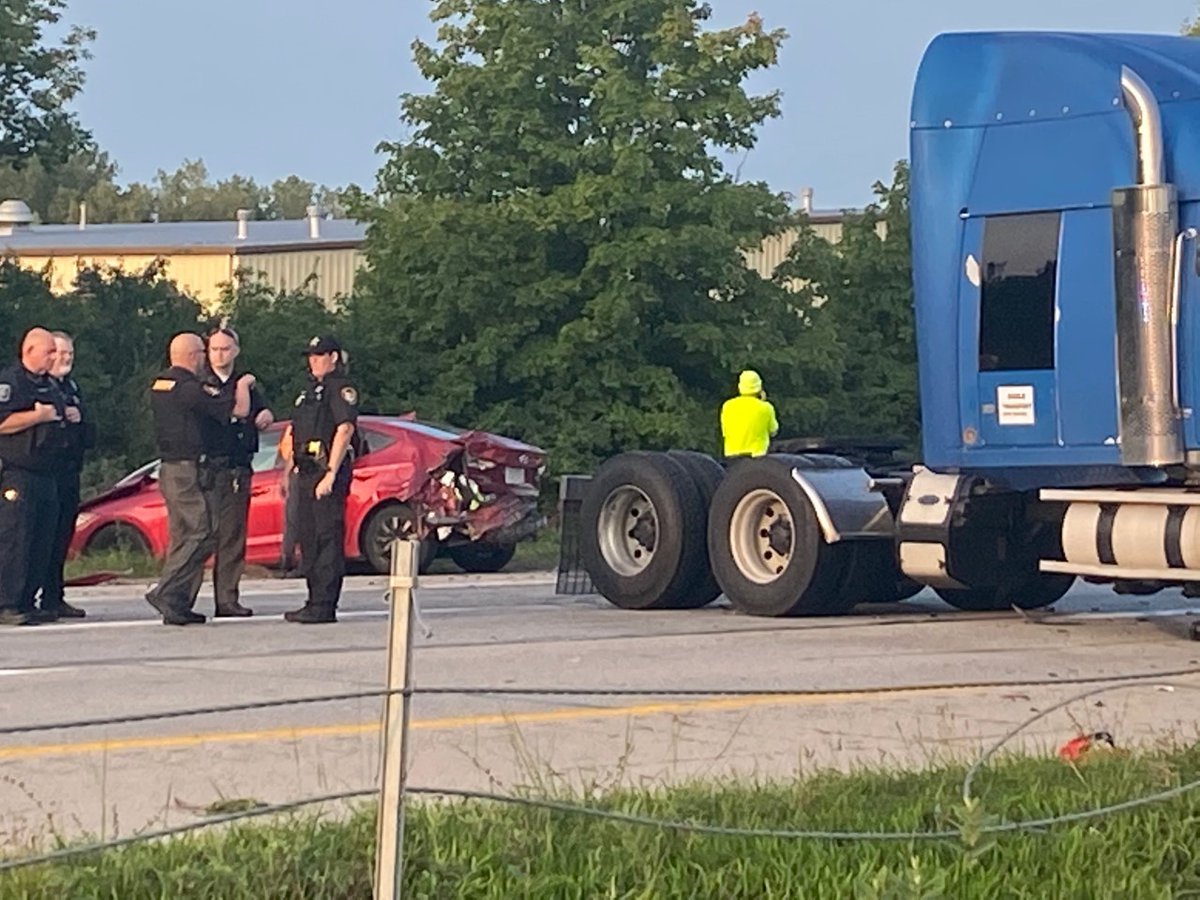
<point x="150" y="468"/>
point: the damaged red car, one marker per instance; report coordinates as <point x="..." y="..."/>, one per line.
<point x="474" y="494"/>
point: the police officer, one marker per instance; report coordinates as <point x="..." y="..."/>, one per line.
<point x="319" y="446"/>
<point x="189" y="418"/>
<point x="80" y="435"/>
<point x="32" y="420"/>
<point x="232" y="464"/>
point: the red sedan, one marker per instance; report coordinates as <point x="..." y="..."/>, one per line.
<point x="474" y="492"/>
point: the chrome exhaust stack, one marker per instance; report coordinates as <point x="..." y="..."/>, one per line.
<point x="1145" y="226"/>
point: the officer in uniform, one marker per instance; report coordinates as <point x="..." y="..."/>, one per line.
<point x="80" y="437"/>
<point x="32" y="422"/>
<point x="232" y="462"/>
<point x="319" y="446"/>
<point x="189" y="418"/>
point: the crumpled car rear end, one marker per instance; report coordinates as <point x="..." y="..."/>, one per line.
<point x="486" y="489"/>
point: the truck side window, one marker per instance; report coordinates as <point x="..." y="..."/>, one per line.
<point x="1016" y="316"/>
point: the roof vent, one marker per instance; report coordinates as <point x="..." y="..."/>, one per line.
<point x="314" y="222"/>
<point x="14" y="214"/>
<point x="806" y="199"/>
<point x="243" y="216"/>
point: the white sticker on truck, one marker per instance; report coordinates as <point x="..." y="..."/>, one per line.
<point x="1014" y="404"/>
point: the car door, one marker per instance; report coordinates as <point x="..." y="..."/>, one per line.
<point x="264" y="531"/>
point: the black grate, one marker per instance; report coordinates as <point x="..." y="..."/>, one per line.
<point x="572" y="577"/>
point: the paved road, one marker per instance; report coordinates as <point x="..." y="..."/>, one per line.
<point x="499" y="630"/>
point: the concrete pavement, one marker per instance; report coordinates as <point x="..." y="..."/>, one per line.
<point x="513" y="630"/>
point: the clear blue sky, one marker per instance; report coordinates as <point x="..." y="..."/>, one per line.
<point x="268" y="88"/>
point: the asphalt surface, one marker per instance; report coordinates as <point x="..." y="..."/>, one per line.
<point x="894" y="670"/>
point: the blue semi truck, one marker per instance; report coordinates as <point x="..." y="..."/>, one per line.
<point x="1055" y="206"/>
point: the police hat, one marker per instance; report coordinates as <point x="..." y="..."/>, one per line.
<point x="322" y="344"/>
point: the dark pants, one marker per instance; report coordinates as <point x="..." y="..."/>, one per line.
<point x="291" y="524"/>
<point x="28" y="516"/>
<point x="67" y="481"/>
<point x="232" y="493"/>
<point x="322" y="526"/>
<point x="192" y="520"/>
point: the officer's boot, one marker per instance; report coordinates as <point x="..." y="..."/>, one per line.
<point x="64" y="610"/>
<point x="311" y="615"/>
<point x="234" y="609"/>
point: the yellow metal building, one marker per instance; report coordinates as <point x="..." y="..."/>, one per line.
<point x="201" y="257"/>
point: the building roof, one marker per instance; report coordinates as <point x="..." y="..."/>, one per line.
<point x="182" y="237"/>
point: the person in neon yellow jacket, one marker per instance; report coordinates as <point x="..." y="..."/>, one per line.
<point x="748" y="421"/>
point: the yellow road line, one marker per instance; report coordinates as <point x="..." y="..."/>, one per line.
<point x="350" y="729"/>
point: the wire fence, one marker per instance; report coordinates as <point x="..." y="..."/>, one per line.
<point x="1105" y="684"/>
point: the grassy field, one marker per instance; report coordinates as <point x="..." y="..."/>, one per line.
<point x="472" y="849"/>
<point x="537" y="555"/>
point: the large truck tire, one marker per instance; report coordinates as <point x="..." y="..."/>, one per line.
<point x="765" y="546"/>
<point x="1032" y="592"/>
<point x="707" y="475"/>
<point x="642" y="535"/>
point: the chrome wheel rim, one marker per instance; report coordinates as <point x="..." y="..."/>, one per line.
<point x="762" y="538"/>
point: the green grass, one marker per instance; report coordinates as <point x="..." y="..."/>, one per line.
<point x="481" y="850"/>
<point x="130" y="563"/>
<point x="537" y="555"/>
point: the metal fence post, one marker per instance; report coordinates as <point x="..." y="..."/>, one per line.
<point x="389" y="844"/>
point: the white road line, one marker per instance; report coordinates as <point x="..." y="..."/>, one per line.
<point x="135" y="590"/>
<point x="259" y="619"/>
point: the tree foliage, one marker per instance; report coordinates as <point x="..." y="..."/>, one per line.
<point x="558" y="251"/>
<point x="186" y="194"/>
<point x="38" y="78"/>
<point x="274" y="327"/>
<point x="121" y="323"/>
<point x="866" y="283"/>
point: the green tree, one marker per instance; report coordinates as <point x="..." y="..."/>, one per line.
<point x="866" y="285"/>
<point x="290" y="198"/>
<point x="122" y="323"/>
<point x="274" y="327"/>
<point x="38" y="78"/>
<point x="557" y="252"/>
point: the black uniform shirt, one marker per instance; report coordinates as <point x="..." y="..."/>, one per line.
<point x="38" y="448"/>
<point x="188" y="415"/>
<point x="81" y="436"/>
<point x="239" y="439"/>
<point x="320" y="409"/>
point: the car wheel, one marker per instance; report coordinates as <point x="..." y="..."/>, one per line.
<point x="391" y="521"/>
<point x="480" y="557"/>
<point x="118" y="537"/>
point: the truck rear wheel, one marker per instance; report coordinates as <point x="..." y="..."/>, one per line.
<point x="766" y="547"/>
<point x="707" y="475"/>
<point x="642" y="531"/>
<point x="1032" y="592"/>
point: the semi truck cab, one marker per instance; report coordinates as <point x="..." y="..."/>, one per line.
<point x="1055" y="204"/>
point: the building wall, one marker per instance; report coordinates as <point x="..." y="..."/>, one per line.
<point x="334" y="270"/>
<point x="199" y="275"/>
<point x="774" y="249"/>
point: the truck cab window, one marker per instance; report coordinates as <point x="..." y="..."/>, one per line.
<point x="1016" y="317"/>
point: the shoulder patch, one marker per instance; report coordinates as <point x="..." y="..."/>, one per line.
<point x="350" y="395"/>
<point x="5" y="392"/>
<point x="163" y="384"/>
